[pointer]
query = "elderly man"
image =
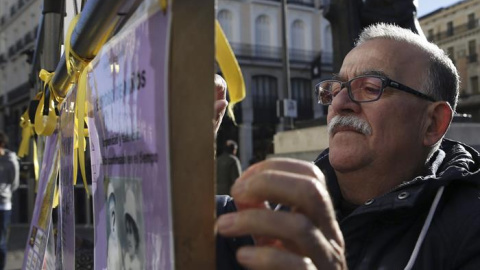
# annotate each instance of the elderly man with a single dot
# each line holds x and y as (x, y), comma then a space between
(389, 193)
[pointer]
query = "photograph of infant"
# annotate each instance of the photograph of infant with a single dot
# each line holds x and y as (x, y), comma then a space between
(125, 229)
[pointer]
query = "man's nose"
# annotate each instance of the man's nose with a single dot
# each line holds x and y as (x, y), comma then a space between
(343, 103)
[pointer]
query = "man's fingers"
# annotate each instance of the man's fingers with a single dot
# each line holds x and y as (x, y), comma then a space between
(297, 233)
(220, 87)
(287, 165)
(303, 194)
(268, 258)
(220, 101)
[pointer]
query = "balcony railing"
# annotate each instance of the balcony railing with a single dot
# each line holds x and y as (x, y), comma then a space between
(11, 51)
(308, 3)
(455, 31)
(274, 54)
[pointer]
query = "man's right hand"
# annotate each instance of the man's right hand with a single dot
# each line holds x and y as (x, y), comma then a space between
(306, 237)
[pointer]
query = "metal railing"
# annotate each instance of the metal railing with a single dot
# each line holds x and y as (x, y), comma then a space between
(308, 3)
(271, 53)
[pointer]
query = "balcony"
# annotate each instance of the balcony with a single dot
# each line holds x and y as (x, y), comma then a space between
(455, 31)
(270, 53)
(19, 45)
(13, 10)
(307, 3)
(28, 38)
(11, 51)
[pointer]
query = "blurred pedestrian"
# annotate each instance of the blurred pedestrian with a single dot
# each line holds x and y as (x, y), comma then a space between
(228, 167)
(9, 181)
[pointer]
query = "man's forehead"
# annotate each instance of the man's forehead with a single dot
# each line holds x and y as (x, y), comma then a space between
(344, 76)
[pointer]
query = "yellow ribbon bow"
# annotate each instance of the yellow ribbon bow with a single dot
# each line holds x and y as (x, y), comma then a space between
(80, 132)
(46, 124)
(27, 133)
(230, 68)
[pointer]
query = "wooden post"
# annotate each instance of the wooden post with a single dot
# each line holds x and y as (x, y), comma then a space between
(191, 103)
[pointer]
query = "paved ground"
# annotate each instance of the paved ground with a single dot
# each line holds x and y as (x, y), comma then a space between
(18, 239)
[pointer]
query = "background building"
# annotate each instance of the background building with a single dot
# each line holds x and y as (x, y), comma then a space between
(456, 30)
(19, 23)
(254, 29)
(19, 20)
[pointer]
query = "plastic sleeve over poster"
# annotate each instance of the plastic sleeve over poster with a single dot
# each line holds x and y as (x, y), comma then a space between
(39, 239)
(65, 258)
(128, 126)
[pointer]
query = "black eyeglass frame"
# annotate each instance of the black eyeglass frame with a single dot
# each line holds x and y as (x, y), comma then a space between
(386, 82)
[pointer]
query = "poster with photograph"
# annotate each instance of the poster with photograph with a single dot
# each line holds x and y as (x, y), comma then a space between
(40, 227)
(128, 129)
(124, 224)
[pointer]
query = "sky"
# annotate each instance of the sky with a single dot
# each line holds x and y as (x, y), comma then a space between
(427, 6)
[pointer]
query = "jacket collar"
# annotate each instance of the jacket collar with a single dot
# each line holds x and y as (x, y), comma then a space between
(452, 162)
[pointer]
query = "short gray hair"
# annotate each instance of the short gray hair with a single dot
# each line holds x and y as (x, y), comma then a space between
(442, 80)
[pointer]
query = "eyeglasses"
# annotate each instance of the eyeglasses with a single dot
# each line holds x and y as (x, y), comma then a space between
(366, 88)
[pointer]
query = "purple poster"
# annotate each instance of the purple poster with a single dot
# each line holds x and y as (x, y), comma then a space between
(128, 127)
(40, 227)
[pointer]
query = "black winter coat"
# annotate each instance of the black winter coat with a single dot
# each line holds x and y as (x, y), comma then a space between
(393, 229)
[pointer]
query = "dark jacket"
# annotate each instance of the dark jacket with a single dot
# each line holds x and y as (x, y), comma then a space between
(384, 233)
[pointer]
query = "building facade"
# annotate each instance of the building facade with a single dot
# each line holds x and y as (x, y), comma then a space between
(19, 20)
(456, 30)
(254, 29)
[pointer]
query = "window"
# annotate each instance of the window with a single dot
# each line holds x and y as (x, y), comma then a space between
(298, 34)
(327, 45)
(474, 84)
(471, 21)
(226, 21)
(430, 35)
(472, 51)
(303, 94)
(262, 30)
(264, 96)
(449, 28)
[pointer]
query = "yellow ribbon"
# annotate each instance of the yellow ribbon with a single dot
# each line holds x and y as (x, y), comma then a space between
(163, 4)
(45, 124)
(74, 62)
(230, 68)
(27, 133)
(56, 196)
(70, 61)
(24, 149)
(81, 132)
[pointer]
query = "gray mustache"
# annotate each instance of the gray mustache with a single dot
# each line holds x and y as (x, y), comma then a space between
(354, 122)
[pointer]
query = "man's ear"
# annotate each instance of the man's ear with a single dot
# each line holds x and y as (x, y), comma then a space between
(439, 118)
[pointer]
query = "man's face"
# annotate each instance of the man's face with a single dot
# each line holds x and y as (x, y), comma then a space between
(396, 120)
(130, 237)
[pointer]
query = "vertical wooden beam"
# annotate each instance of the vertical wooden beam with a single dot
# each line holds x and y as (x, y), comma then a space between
(191, 100)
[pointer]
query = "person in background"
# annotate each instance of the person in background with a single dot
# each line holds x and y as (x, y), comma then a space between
(390, 192)
(9, 181)
(228, 167)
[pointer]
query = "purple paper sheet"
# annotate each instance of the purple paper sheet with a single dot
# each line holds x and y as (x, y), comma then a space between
(128, 126)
